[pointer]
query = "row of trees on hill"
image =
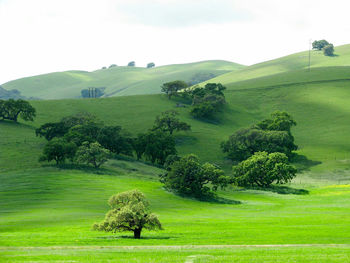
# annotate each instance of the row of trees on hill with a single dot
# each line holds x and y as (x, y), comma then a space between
(132, 64)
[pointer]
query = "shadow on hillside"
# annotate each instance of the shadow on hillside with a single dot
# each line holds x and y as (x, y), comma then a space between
(131, 237)
(219, 200)
(83, 168)
(284, 190)
(303, 163)
(18, 124)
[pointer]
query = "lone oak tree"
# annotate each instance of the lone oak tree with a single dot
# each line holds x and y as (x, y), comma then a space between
(130, 212)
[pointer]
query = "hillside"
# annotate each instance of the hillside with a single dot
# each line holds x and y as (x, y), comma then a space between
(294, 62)
(118, 81)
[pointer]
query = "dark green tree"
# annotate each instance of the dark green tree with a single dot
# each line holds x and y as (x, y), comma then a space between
(151, 65)
(168, 122)
(319, 44)
(328, 50)
(115, 139)
(263, 169)
(188, 177)
(12, 109)
(155, 146)
(58, 150)
(172, 88)
(129, 212)
(131, 64)
(51, 130)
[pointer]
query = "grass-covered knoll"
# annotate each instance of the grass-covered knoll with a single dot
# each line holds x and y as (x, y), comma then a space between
(294, 62)
(118, 81)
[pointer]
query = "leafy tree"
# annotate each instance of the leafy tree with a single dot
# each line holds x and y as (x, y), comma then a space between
(12, 109)
(92, 153)
(172, 88)
(188, 177)
(328, 50)
(279, 121)
(156, 146)
(114, 139)
(168, 122)
(112, 66)
(263, 169)
(151, 65)
(131, 64)
(203, 110)
(58, 150)
(207, 106)
(130, 212)
(81, 118)
(83, 133)
(51, 130)
(319, 44)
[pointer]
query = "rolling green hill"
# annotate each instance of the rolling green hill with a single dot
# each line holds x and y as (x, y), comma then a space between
(118, 81)
(294, 62)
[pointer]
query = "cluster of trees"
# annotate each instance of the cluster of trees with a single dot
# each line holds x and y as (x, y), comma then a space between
(205, 101)
(83, 138)
(328, 48)
(264, 150)
(93, 92)
(13, 109)
(80, 138)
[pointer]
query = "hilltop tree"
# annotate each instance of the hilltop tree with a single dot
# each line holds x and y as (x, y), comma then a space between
(263, 169)
(12, 109)
(112, 66)
(92, 153)
(168, 122)
(172, 88)
(151, 65)
(131, 64)
(319, 44)
(328, 50)
(188, 177)
(130, 212)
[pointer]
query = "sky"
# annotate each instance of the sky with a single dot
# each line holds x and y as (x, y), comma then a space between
(42, 36)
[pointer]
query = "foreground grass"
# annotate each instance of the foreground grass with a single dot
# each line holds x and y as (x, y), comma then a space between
(48, 207)
(322, 254)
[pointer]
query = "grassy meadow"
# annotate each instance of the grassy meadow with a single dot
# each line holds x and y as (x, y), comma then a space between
(46, 212)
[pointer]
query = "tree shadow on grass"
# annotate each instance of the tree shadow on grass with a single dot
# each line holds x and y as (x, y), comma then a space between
(211, 198)
(284, 190)
(302, 163)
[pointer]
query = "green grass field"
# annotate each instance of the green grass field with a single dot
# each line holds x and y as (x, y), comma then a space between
(118, 81)
(51, 210)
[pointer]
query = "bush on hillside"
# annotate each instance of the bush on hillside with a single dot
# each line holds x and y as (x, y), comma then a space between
(328, 50)
(92, 153)
(151, 65)
(131, 64)
(58, 150)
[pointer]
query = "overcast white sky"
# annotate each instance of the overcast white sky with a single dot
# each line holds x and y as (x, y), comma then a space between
(41, 36)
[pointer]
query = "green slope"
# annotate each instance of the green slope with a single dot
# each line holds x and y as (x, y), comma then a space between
(294, 62)
(119, 81)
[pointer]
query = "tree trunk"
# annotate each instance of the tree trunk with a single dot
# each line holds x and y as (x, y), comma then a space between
(137, 233)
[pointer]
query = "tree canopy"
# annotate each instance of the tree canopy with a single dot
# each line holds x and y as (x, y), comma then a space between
(328, 50)
(172, 88)
(12, 109)
(92, 153)
(129, 212)
(188, 177)
(319, 44)
(262, 169)
(151, 65)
